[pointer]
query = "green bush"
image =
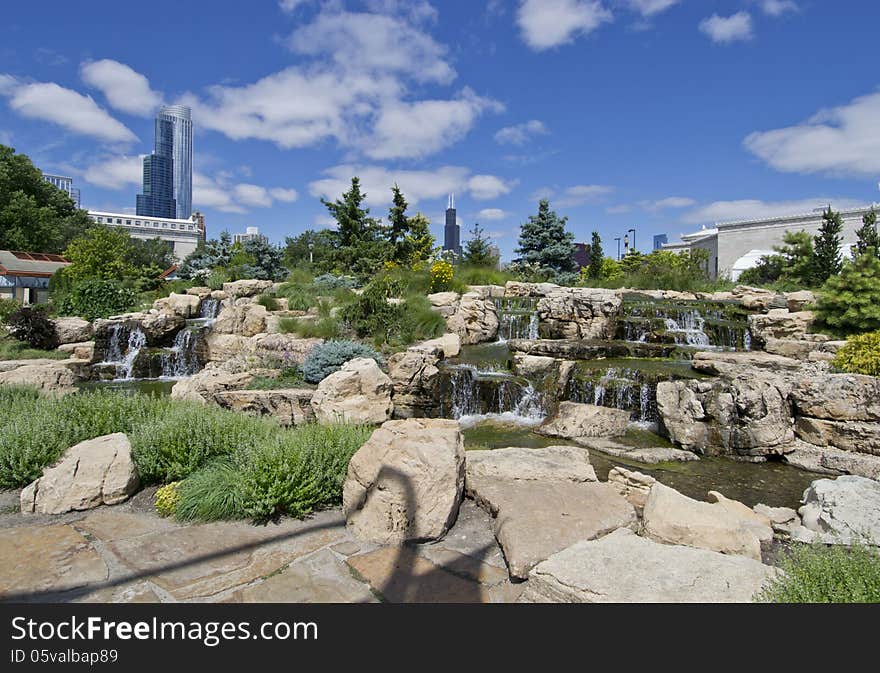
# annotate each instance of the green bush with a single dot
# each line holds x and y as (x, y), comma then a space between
(212, 493)
(819, 574)
(299, 297)
(860, 355)
(7, 308)
(268, 302)
(217, 277)
(371, 314)
(322, 328)
(290, 377)
(91, 299)
(329, 357)
(328, 282)
(419, 321)
(849, 303)
(470, 275)
(31, 325)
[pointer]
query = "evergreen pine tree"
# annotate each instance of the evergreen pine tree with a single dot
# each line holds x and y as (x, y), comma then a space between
(596, 256)
(545, 243)
(419, 241)
(476, 250)
(849, 303)
(398, 225)
(827, 260)
(867, 235)
(797, 258)
(352, 220)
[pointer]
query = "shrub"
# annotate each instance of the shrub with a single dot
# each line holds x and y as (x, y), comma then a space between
(217, 277)
(290, 377)
(91, 299)
(470, 275)
(328, 282)
(269, 302)
(861, 355)
(32, 326)
(850, 303)
(7, 308)
(322, 328)
(441, 276)
(167, 499)
(329, 357)
(299, 297)
(371, 314)
(419, 321)
(819, 574)
(211, 494)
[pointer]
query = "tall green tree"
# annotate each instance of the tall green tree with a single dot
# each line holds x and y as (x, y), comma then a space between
(597, 255)
(35, 216)
(420, 243)
(867, 236)
(545, 242)
(827, 260)
(477, 250)
(101, 253)
(309, 248)
(352, 220)
(398, 226)
(849, 303)
(797, 258)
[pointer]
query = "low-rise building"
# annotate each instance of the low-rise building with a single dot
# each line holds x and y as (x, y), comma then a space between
(25, 275)
(184, 235)
(251, 234)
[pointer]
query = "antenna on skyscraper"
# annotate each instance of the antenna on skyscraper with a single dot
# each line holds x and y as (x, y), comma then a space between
(451, 201)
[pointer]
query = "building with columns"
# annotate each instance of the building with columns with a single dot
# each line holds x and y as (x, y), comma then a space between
(183, 235)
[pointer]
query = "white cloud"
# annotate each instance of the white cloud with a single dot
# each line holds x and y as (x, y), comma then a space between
(252, 195)
(667, 203)
(619, 209)
(417, 185)
(520, 133)
(485, 187)
(778, 7)
(727, 29)
(290, 5)
(125, 89)
(374, 42)
(73, 111)
(752, 209)
(284, 195)
(649, 8)
(579, 195)
(115, 172)
(412, 130)
(843, 140)
(549, 23)
(418, 11)
(492, 214)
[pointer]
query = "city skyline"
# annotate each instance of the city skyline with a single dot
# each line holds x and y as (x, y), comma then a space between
(656, 116)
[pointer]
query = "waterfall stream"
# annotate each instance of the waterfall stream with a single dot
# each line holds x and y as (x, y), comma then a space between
(123, 349)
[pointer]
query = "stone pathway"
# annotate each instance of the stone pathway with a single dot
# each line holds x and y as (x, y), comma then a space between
(127, 553)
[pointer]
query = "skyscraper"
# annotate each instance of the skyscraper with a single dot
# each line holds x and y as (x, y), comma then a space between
(180, 118)
(157, 199)
(452, 232)
(65, 184)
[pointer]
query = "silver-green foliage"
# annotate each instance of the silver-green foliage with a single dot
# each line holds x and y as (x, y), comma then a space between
(329, 357)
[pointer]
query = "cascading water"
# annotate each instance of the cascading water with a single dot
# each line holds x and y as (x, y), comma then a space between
(182, 359)
(210, 309)
(471, 395)
(517, 318)
(123, 348)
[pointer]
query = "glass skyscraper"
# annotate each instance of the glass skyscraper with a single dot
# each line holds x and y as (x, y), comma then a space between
(167, 190)
(180, 117)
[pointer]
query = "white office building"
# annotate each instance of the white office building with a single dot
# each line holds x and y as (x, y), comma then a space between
(251, 234)
(184, 235)
(736, 246)
(65, 184)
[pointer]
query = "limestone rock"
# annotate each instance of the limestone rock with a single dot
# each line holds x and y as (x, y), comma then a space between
(81, 351)
(159, 327)
(243, 320)
(855, 436)
(94, 472)
(515, 288)
(224, 347)
(449, 344)
(673, 518)
(553, 463)
(843, 510)
(731, 363)
(203, 386)
(246, 288)
(624, 568)
(406, 482)
(283, 350)
(838, 397)
(798, 301)
(445, 303)
(184, 305)
(360, 392)
(586, 420)
(55, 378)
(644, 454)
(415, 378)
(632, 485)
(475, 320)
(578, 313)
(73, 330)
(534, 519)
(201, 292)
(780, 324)
(287, 406)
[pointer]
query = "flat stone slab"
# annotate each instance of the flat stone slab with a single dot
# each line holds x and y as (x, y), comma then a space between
(534, 520)
(648, 455)
(47, 558)
(830, 460)
(318, 578)
(473, 535)
(625, 568)
(554, 463)
(401, 575)
(843, 510)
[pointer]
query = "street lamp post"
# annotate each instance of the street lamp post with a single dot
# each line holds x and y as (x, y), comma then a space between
(625, 245)
(311, 253)
(633, 232)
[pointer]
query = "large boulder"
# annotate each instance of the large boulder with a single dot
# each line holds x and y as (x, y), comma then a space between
(360, 392)
(290, 406)
(73, 330)
(55, 377)
(724, 526)
(632, 485)
(625, 568)
(449, 345)
(445, 303)
(780, 324)
(838, 397)
(575, 420)
(475, 319)
(159, 327)
(415, 378)
(553, 463)
(206, 384)
(94, 472)
(283, 350)
(242, 319)
(246, 288)
(80, 351)
(843, 510)
(800, 300)
(406, 482)
(855, 436)
(184, 305)
(578, 313)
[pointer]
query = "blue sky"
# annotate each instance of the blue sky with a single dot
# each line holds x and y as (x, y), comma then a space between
(662, 115)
